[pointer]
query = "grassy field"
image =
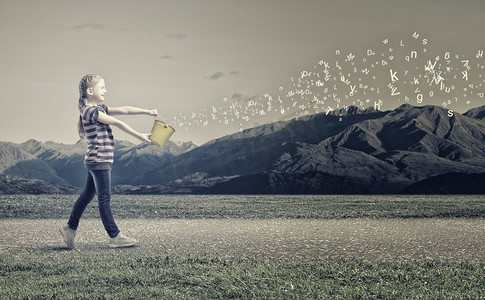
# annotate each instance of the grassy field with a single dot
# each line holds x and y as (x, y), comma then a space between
(252, 207)
(135, 274)
(121, 275)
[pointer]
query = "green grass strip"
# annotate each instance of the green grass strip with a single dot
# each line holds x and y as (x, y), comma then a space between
(252, 207)
(125, 275)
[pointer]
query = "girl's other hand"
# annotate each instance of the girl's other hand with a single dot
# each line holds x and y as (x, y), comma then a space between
(153, 112)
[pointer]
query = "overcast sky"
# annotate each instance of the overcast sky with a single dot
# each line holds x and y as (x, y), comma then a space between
(213, 67)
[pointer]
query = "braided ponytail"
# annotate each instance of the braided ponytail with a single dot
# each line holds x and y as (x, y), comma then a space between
(86, 82)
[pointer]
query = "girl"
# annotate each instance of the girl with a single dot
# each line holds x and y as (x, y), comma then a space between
(94, 126)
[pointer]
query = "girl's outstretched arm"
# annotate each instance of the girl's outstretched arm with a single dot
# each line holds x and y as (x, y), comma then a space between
(130, 110)
(106, 119)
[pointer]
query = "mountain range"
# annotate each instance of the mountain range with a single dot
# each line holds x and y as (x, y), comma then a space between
(346, 151)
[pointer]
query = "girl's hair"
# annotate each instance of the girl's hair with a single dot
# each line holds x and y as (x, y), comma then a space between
(86, 82)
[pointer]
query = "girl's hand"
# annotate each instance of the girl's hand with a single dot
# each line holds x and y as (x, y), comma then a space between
(144, 137)
(153, 112)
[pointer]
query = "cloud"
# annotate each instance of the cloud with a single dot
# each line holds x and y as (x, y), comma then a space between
(97, 26)
(238, 97)
(177, 36)
(216, 76)
(166, 57)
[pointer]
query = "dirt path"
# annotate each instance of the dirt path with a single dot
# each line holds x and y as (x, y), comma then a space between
(403, 239)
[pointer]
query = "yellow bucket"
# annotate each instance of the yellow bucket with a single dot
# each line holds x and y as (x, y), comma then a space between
(161, 132)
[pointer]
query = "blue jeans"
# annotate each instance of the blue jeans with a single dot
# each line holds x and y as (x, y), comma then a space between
(98, 182)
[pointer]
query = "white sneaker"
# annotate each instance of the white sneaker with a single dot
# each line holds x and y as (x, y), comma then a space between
(68, 235)
(121, 241)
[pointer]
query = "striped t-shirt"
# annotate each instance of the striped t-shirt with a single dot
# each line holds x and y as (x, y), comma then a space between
(100, 140)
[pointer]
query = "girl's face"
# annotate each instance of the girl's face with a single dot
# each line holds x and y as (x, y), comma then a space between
(98, 91)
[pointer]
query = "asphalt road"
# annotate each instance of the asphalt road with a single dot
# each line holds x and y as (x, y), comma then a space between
(273, 239)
